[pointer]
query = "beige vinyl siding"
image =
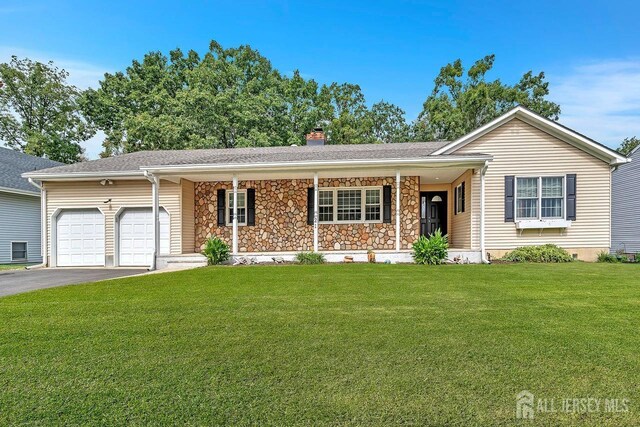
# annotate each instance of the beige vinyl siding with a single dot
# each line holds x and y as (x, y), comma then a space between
(461, 223)
(131, 193)
(522, 150)
(188, 219)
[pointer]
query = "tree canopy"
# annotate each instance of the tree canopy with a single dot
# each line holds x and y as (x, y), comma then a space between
(234, 97)
(229, 98)
(39, 112)
(457, 106)
(628, 145)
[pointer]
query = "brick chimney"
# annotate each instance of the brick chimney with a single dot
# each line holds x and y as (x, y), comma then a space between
(316, 137)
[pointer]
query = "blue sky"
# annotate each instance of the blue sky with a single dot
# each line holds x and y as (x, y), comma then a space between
(590, 50)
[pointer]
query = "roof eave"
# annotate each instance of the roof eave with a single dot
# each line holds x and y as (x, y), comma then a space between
(83, 175)
(19, 191)
(312, 165)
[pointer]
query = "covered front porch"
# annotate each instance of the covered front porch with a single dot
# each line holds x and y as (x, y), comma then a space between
(264, 213)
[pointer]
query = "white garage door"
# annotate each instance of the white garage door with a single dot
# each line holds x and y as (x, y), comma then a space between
(80, 238)
(136, 236)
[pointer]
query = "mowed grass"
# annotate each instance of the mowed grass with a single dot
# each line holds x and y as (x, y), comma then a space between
(13, 266)
(328, 344)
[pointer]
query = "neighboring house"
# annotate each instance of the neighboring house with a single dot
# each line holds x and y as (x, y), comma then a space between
(20, 213)
(519, 180)
(625, 200)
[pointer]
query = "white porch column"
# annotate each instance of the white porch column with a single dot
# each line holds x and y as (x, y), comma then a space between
(398, 211)
(155, 194)
(315, 212)
(483, 255)
(235, 216)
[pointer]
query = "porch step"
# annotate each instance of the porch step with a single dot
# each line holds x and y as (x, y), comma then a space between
(181, 262)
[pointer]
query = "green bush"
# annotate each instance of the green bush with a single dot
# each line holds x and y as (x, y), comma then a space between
(310, 258)
(605, 256)
(216, 251)
(541, 253)
(431, 250)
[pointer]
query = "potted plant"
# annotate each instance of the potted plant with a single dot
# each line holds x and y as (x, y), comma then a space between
(371, 256)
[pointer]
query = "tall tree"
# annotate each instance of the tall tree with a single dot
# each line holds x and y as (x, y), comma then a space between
(229, 97)
(456, 106)
(628, 145)
(39, 111)
(388, 123)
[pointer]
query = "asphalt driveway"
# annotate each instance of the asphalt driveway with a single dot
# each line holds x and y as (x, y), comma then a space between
(18, 281)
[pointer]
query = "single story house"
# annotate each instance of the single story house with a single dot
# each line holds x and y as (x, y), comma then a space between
(20, 213)
(625, 198)
(519, 180)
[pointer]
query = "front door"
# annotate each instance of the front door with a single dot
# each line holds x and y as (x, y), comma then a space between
(433, 212)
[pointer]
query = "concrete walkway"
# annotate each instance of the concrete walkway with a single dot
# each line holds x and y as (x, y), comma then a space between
(18, 281)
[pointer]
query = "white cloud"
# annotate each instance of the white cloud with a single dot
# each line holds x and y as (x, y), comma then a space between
(600, 99)
(81, 74)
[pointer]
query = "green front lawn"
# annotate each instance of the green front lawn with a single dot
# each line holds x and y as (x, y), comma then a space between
(13, 266)
(336, 344)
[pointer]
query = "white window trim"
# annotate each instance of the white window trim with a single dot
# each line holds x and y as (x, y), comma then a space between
(26, 251)
(363, 204)
(457, 193)
(539, 198)
(228, 209)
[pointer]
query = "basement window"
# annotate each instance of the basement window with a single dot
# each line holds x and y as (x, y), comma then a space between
(18, 251)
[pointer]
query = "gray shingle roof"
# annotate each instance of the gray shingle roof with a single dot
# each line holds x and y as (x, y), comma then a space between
(133, 161)
(13, 164)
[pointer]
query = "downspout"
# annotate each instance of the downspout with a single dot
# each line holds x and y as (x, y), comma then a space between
(483, 255)
(43, 224)
(612, 169)
(156, 216)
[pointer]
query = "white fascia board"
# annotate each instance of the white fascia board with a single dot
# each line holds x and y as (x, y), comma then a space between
(74, 176)
(549, 126)
(314, 165)
(17, 191)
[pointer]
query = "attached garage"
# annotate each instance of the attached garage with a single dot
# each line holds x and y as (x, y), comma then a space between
(80, 238)
(135, 236)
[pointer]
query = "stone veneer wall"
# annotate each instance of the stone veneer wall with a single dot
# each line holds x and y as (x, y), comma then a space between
(281, 217)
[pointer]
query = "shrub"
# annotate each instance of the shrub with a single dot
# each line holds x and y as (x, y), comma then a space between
(605, 256)
(541, 253)
(431, 250)
(216, 251)
(310, 258)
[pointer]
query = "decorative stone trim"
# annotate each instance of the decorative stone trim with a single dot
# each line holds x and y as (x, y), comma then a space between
(281, 217)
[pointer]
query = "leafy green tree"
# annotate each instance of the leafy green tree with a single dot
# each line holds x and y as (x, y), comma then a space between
(229, 97)
(456, 106)
(39, 111)
(388, 123)
(628, 145)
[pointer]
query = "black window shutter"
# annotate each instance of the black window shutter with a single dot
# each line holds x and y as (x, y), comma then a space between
(571, 197)
(509, 198)
(222, 200)
(455, 200)
(251, 206)
(463, 197)
(310, 206)
(386, 204)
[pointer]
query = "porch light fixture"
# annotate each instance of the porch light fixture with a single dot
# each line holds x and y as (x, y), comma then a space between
(436, 199)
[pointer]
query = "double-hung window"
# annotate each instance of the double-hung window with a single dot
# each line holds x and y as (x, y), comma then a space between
(540, 197)
(242, 207)
(350, 205)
